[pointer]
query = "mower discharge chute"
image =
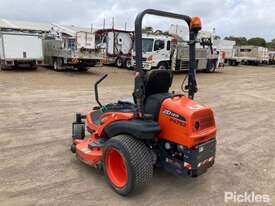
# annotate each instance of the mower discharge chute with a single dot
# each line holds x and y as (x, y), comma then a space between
(162, 129)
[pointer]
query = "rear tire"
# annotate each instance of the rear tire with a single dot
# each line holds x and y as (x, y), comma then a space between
(128, 164)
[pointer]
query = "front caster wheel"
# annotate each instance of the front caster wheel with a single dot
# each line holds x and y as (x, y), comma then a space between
(73, 148)
(128, 164)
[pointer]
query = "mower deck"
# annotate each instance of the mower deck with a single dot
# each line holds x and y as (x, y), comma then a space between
(89, 155)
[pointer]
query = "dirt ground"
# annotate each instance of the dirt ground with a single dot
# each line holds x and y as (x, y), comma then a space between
(38, 107)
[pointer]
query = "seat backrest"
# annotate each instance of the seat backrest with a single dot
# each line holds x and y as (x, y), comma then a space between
(157, 81)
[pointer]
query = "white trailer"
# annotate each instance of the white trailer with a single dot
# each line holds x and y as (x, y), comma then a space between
(65, 48)
(117, 46)
(227, 50)
(20, 49)
(165, 52)
(252, 55)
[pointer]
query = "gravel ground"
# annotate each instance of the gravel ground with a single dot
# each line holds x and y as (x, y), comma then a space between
(38, 107)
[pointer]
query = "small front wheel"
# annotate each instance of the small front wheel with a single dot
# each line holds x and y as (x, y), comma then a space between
(128, 164)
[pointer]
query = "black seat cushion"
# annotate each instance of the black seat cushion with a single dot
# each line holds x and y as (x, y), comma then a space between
(157, 81)
(153, 104)
(120, 106)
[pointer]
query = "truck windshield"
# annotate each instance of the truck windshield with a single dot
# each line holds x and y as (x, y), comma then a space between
(147, 45)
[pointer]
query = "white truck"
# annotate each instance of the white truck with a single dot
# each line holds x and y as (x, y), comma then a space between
(227, 49)
(234, 55)
(117, 46)
(252, 55)
(271, 57)
(75, 50)
(20, 49)
(166, 52)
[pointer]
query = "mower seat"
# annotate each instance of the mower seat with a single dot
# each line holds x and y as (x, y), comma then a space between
(157, 84)
(157, 81)
(153, 104)
(120, 106)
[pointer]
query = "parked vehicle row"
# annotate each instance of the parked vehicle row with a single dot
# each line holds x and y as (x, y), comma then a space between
(62, 48)
(234, 55)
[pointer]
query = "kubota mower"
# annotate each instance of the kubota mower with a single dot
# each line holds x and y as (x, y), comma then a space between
(160, 128)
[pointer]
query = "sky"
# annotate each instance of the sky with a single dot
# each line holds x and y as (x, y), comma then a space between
(249, 18)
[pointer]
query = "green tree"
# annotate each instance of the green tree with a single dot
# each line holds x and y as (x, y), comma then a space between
(271, 45)
(239, 40)
(257, 41)
(148, 29)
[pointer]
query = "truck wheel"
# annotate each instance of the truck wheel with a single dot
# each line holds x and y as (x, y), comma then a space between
(119, 62)
(128, 164)
(57, 64)
(128, 64)
(211, 66)
(162, 65)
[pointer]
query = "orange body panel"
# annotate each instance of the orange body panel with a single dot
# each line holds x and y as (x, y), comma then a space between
(90, 157)
(106, 119)
(177, 119)
(94, 156)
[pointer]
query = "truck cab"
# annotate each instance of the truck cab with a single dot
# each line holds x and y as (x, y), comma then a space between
(156, 51)
(168, 52)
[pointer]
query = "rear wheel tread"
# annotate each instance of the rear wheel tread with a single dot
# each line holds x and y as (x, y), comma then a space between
(138, 156)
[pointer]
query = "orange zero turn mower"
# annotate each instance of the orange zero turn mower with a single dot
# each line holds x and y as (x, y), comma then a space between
(159, 128)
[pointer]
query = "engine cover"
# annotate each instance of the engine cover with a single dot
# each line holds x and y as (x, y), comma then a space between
(186, 122)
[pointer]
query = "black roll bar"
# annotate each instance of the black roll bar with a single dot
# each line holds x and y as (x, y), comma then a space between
(139, 80)
(96, 89)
